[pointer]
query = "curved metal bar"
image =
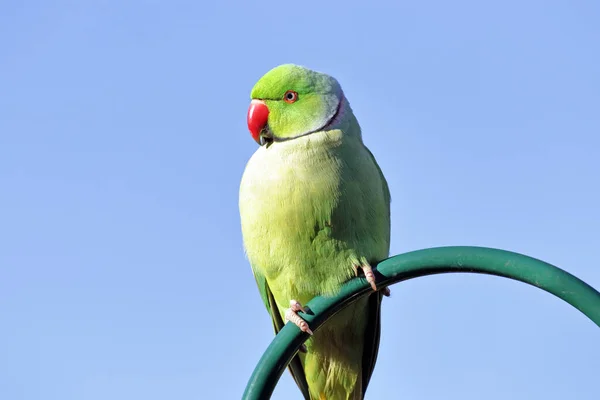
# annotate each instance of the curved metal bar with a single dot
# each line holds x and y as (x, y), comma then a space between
(415, 264)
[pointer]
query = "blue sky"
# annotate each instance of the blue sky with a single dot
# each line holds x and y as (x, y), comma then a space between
(122, 143)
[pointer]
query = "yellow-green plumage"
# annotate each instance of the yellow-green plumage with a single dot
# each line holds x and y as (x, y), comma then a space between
(312, 209)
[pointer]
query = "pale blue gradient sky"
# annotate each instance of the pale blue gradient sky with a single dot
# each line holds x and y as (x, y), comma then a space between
(123, 139)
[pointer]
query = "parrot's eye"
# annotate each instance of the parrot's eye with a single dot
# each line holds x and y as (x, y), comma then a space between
(290, 96)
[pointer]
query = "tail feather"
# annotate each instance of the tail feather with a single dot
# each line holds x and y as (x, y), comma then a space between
(341, 355)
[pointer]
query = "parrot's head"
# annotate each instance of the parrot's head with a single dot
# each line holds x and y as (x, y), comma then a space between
(291, 101)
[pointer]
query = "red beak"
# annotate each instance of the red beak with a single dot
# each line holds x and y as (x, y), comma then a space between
(258, 115)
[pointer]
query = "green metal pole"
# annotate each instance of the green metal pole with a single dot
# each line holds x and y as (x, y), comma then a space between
(413, 265)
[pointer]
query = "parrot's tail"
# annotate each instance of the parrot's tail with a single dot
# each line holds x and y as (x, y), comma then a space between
(341, 354)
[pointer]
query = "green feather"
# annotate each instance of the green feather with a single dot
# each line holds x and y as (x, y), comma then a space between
(312, 208)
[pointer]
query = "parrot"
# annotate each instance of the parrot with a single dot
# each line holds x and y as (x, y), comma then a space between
(315, 212)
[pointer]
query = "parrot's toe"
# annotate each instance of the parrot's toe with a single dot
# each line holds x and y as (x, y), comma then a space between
(369, 275)
(387, 292)
(291, 314)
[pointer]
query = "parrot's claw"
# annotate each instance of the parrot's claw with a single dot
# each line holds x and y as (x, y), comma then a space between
(291, 314)
(387, 292)
(369, 275)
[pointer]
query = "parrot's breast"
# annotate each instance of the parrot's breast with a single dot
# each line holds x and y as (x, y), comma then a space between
(287, 195)
(304, 213)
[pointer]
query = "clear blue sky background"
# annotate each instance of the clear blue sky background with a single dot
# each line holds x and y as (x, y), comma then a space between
(123, 139)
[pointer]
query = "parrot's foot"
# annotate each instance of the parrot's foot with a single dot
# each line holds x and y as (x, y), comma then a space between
(387, 292)
(369, 275)
(291, 314)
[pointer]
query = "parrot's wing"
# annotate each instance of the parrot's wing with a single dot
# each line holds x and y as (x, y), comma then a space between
(386, 188)
(373, 331)
(372, 335)
(295, 365)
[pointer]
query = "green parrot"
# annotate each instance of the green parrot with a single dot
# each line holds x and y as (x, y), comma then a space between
(315, 207)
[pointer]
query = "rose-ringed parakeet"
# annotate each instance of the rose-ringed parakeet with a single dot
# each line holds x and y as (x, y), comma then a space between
(315, 208)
